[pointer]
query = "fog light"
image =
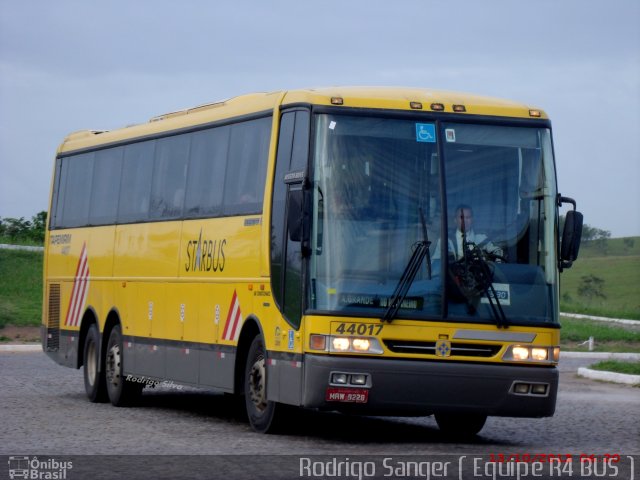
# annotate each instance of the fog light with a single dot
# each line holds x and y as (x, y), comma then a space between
(339, 378)
(539, 353)
(358, 379)
(520, 353)
(539, 389)
(341, 344)
(521, 388)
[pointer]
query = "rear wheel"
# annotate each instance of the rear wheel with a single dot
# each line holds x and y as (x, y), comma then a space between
(264, 415)
(121, 392)
(460, 424)
(94, 378)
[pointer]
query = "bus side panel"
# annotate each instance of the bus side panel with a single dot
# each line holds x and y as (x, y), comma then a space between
(79, 269)
(145, 264)
(181, 310)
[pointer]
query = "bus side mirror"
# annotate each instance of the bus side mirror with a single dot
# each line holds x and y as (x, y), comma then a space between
(571, 235)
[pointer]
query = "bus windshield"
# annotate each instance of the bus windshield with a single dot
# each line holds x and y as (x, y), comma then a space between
(378, 196)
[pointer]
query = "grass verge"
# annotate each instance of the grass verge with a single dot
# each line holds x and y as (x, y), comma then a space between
(607, 337)
(629, 368)
(20, 288)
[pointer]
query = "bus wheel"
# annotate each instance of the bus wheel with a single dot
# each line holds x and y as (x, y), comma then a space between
(94, 378)
(121, 392)
(261, 412)
(460, 425)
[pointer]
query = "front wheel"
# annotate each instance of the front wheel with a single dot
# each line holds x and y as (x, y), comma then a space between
(460, 425)
(121, 391)
(264, 415)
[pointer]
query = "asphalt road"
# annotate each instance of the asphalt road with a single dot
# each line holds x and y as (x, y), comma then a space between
(44, 411)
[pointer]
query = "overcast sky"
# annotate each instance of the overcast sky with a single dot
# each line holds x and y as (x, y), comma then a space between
(71, 65)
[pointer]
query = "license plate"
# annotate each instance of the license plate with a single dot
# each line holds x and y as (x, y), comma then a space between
(347, 395)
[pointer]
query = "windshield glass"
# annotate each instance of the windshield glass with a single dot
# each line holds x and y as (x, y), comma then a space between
(377, 198)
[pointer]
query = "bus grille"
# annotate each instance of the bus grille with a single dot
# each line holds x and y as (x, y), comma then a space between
(53, 320)
(429, 348)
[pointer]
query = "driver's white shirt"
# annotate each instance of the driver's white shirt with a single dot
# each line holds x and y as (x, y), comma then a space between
(456, 249)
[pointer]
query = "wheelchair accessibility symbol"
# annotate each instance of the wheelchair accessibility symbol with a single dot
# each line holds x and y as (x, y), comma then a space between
(425, 132)
(443, 348)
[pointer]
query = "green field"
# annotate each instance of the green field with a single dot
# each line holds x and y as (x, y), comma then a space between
(617, 263)
(20, 288)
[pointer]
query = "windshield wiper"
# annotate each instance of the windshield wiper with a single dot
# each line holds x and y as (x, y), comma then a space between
(420, 251)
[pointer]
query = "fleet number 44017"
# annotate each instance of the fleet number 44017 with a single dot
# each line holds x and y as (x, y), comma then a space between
(359, 329)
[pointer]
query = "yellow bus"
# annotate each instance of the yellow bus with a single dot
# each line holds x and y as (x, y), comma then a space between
(371, 250)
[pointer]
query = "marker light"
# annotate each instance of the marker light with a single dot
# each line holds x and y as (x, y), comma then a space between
(535, 113)
(337, 101)
(416, 105)
(459, 108)
(317, 342)
(438, 107)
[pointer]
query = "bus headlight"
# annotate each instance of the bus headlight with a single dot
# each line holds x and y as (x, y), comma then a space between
(345, 344)
(361, 344)
(531, 354)
(539, 354)
(340, 344)
(520, 353)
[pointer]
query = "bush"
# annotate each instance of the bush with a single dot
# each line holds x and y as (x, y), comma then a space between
(21, 230)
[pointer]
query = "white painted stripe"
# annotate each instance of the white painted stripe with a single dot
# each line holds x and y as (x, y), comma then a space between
(235, 332)
(69, 321)
(4, 246)
(230, 315)
(609, 376)
(601, 319)
(600, 355)
(13, 348)
(81, 282)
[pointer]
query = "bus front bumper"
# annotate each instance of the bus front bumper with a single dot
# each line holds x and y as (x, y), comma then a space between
(410, 387)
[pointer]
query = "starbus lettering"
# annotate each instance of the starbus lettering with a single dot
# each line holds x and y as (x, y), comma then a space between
(205, 255)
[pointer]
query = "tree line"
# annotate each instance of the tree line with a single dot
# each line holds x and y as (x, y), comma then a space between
(22, 230)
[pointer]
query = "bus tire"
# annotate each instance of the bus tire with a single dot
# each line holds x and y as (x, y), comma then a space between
(460, 424)
(264, 415)
(94, 378)
(121, 392)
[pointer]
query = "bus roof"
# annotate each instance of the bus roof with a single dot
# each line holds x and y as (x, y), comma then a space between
(392, 98)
